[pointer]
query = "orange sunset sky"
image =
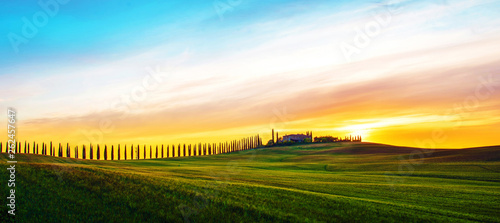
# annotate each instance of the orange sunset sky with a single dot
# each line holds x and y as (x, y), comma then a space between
(412, 73)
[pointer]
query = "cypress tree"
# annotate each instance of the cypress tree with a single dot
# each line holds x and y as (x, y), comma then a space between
(36, 148)
(162, 152)
(118, 151)
(76, 152)
(105, 152)
(145, 153)
(51, 148)
(112, 152)
(179, 151)
(91, 152)
(84, 152)
(98, 155)
(150, 152)
(125, 153)
(156, 152)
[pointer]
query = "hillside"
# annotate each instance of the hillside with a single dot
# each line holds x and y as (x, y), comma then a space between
(318, 182)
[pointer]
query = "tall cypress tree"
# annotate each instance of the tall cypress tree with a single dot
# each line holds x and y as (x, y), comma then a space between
(59, 151)
(125, 153)
(84, 153)
(76, 152)
(132, 151)
(118, 151)
(98, 156)
(144, 152)
(162, 152)
(112, 152)
(91, 154)
(156, 152)
(105, 152)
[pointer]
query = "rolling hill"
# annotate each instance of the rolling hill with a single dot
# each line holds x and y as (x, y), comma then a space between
(303, 183)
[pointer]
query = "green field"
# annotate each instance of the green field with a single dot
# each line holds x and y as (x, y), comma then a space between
(305, 183)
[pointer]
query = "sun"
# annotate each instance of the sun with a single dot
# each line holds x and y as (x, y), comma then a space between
(362, 130)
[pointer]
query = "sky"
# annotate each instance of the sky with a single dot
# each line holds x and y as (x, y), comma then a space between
(410, 73)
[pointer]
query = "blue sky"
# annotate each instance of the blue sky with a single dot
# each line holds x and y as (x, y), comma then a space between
(104, 30)
(242, 64)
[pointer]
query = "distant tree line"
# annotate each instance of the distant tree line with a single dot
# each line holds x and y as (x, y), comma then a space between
(161, 151)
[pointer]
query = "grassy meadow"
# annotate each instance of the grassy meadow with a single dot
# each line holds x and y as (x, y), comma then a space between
(332, 182)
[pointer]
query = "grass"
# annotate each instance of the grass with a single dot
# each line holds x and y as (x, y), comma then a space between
(305, 183)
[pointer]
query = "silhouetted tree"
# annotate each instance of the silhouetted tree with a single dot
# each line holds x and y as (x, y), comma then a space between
(118, 151)
(68, 152)
(162, 151)
(76, 152)
(156, 152)
(105, 152)
(138, 152)
(144, 152)
(112, 152)
(59, 151)
(84, 153)
(179, 151)
(125, 152)
(91, 154)
(132, 151)
(98, 152)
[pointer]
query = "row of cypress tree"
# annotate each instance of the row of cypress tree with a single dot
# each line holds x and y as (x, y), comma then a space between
(134, 152)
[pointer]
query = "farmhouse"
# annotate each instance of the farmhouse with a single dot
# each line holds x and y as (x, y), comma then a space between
(297, 137)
